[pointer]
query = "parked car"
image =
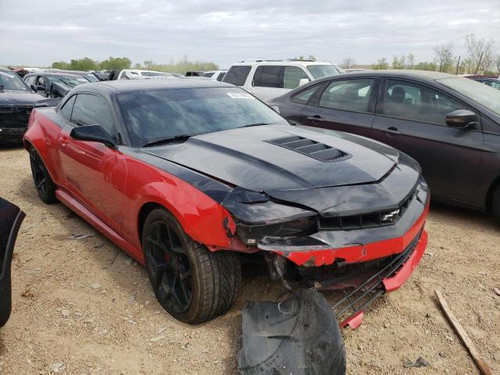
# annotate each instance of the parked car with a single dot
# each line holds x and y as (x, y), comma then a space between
(194, 74)
(215, 75)
(142, 74)
(490, 81)
(11, 218)
(185, 175)
(89, 76)
(267, 79)
(16, 102)
(449, 124)
(53, 85)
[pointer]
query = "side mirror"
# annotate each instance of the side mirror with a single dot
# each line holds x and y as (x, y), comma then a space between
(92, 133)
(34, 88)
(462, 119)
(303, 81)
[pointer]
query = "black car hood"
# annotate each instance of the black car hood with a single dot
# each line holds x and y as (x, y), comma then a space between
(18, 98)
(252, 158)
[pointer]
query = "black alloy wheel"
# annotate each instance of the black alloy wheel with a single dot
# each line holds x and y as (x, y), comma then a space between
(168, 267)
(43, 183)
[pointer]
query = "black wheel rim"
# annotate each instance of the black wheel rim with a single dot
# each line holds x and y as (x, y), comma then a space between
(168, 267)
(37, 169)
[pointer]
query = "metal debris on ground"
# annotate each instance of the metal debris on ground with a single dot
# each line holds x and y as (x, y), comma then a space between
(420, 362)
(76, 236)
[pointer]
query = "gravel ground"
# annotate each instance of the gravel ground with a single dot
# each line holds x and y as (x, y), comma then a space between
(81, 306)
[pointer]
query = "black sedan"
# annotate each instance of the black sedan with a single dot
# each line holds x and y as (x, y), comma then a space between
(449, 124)
(54, 84)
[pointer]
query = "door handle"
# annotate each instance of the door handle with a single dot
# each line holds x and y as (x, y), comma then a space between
(315, 118)
(392, 130)
(63, 141)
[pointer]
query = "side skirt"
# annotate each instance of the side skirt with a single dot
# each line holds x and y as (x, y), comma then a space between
(93, 220)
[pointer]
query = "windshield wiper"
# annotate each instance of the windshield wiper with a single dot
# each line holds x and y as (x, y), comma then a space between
(257, 124)
(175, 138)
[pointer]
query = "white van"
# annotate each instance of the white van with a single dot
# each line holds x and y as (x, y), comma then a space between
(268, 79)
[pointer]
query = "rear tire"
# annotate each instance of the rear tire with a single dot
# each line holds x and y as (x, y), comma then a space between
(495, 204)
(44, 185)
(190, 282)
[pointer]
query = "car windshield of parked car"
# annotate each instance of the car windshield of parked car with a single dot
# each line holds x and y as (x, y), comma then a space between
(320, 71)
(482, 94)
(161, 114)
(69, 81)
(91, 78)
(11, 81)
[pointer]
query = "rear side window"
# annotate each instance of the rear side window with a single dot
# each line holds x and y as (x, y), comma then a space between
(237, 75)
(221, 76)
(293, 75)
(306, 95)
(269, 76)
(348, 95)
(416, 102)
(92, 110)
(67, 108)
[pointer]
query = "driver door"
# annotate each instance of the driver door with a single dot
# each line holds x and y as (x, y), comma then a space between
(95, 174)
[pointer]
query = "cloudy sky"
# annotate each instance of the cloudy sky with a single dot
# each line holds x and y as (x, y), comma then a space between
(36, 32)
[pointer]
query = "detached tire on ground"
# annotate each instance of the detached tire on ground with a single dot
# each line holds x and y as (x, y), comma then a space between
(44, 185)
(190, 282)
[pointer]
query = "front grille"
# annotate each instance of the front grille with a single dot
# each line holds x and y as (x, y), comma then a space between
(367, 220)
(311, 148)
(14, 117)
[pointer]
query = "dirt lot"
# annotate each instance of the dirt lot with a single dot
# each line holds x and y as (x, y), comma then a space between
(81, 306)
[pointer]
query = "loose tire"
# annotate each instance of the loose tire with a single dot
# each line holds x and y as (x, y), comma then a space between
(44, 185)
(191, 283)
(495, 203)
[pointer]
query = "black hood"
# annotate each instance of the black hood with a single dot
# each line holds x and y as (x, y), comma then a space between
(281, 157)
(18, 98)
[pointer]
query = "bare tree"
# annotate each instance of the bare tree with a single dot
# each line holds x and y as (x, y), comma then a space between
(398, 63)
(480, 54)
(148, 64)
(497, 63)
(443, 56)
(381, 64)
(347, 63)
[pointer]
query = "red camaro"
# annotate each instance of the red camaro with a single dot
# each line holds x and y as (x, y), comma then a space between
(186, 175)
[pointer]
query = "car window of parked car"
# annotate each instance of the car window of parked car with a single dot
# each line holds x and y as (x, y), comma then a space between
(92, 110)
(305, 95)
(269, 76)
(237, 75)
(293, 75)
(67, 108)
(221, 76)
(416, 102)
(30, 80)
(348, 95)
(11, 81)
(158, 114)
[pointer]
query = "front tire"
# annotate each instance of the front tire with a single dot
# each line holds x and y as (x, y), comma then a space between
(191, 283)
(44, 185)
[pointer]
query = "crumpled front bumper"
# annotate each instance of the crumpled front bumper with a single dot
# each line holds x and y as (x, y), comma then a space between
(353, 246)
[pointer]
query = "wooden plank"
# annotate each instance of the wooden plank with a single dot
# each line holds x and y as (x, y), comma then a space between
(481, 364)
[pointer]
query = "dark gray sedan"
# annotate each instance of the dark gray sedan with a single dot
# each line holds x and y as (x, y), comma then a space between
(449, 124)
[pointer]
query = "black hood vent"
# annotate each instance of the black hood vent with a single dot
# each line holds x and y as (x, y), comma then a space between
(311, 148)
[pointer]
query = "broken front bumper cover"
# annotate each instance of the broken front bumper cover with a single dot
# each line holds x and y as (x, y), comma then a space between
(352, 246)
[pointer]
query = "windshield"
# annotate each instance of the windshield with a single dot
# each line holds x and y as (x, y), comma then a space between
(69, 81)
(159, 114)
(11, 81)
(154, 74)
(91, 78)
(482, 94)
(320, 71)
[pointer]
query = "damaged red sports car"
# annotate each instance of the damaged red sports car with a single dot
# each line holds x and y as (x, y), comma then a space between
(187, 175)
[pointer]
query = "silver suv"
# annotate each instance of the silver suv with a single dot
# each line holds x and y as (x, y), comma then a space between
(268, 79)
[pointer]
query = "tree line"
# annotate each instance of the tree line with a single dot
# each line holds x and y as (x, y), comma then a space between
(480, 58)
(119, 63)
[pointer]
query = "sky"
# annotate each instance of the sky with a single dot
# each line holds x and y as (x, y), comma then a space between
(37, 33)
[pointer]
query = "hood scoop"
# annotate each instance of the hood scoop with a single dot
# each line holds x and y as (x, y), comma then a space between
(313, 149)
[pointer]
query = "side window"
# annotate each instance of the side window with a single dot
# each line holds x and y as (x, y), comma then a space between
(269, 76)
(293, 75)
(92, 110)
(30, 80)
(348, 95)
(304, 96)
(221, 76)
(417, 102)
(67, 108)
(237, 75)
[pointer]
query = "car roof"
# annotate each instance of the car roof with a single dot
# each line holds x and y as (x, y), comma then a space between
(282, 62)
(421, 74)
(124, 86)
